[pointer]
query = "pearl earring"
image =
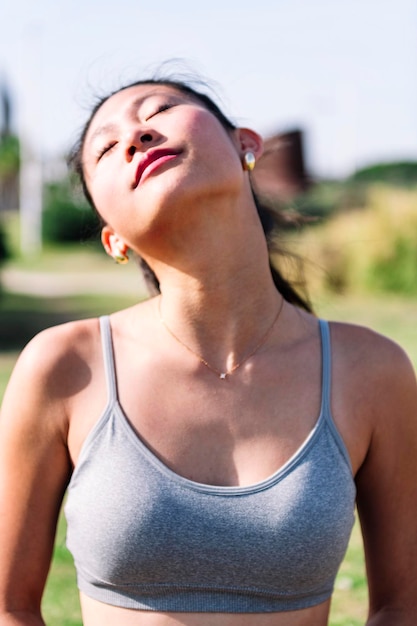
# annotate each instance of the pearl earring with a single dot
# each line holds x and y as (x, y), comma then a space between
(249, 161)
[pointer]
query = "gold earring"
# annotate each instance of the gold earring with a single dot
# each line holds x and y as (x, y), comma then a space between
(249, 161)
(120, 257)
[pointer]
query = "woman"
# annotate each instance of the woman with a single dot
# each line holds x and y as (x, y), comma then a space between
(214, 438)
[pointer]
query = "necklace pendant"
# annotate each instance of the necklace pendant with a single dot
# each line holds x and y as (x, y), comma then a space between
(221, 375)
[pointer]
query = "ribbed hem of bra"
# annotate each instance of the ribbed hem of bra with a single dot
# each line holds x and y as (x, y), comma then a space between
(192, 599)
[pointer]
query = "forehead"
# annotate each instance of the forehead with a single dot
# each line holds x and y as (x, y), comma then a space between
(129, 99)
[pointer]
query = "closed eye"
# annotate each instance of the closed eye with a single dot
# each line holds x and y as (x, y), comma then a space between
(160, 109)
(105, 150)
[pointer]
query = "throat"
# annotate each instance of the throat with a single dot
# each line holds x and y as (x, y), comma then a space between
(251, 351)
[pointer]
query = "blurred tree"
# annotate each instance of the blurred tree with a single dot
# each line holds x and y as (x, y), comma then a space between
(395, 173)
(9, 165)
(9, 172)
(9, 156)
(9, 153)
(67, 217)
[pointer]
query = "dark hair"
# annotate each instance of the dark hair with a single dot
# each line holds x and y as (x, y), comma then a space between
(272, 221)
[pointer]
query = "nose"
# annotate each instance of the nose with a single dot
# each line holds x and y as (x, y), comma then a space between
(138, 140)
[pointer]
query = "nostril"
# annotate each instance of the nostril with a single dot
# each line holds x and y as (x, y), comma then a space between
(131, 151)
(146, 137)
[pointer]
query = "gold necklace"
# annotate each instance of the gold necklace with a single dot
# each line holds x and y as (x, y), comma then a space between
(219, 373)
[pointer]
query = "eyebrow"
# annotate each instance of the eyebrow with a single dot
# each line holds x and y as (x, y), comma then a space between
(113, 128)
(103, 130)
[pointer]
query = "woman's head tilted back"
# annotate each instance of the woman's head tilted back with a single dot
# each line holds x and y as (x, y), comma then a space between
(76, 159)
(89, 150)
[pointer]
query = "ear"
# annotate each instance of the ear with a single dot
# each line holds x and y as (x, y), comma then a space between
(112, 243)
(250, 141)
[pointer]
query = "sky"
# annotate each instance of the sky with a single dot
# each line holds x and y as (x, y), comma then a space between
(344, 71)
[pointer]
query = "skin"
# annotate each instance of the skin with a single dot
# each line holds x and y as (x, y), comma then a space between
(193, 219)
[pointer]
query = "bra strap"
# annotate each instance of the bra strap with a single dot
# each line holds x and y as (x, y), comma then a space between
(326, 359)
(326, 367)
(108, 357)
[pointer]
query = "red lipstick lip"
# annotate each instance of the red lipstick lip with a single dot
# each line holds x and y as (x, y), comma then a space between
(150, 158)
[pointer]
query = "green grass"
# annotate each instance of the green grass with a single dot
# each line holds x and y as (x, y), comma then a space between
(349, 602)
(61, 605)
(7, 361)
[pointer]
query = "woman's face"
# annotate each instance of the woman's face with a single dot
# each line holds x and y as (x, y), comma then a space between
(152, 156)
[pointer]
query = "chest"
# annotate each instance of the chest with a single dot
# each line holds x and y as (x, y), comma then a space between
(224, 432)
(132, 521)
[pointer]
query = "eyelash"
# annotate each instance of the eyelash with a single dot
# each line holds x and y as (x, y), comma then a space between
(106, 149)
(160, 109)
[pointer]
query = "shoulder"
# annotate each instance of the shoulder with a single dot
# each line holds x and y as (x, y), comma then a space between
(375, 379)
(370, 353)
(374, 391)
(52, 368)
(60, 347)
(63, 335)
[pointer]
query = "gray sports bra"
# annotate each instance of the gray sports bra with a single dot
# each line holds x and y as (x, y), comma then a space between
(143, 537)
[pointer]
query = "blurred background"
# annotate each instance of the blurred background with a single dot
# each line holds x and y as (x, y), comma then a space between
(331, 86)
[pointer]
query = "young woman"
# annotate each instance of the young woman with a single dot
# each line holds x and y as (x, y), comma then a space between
(215, 438)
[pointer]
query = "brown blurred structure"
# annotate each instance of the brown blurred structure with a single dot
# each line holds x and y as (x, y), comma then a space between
(280, 173)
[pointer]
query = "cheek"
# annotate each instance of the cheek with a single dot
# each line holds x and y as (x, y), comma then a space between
(210, 137)
(105, 195)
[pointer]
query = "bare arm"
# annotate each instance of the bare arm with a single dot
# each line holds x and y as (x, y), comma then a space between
(387, 494)
(34, 471)
(20, 618)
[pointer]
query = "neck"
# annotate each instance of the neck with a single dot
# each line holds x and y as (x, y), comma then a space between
(218, 296)
(221, 293)
(232, 364)
(222, 304)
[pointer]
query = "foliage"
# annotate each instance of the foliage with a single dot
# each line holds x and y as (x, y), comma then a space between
(371, 249)
(325, 198)
(396, 173)
(9, 156)
(67, 217)
(4, 249)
